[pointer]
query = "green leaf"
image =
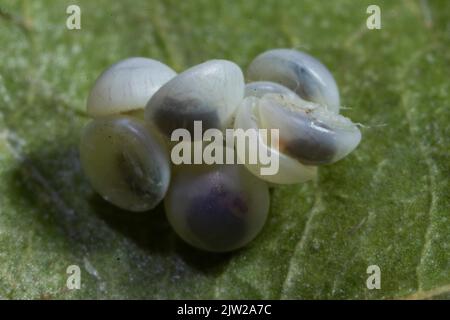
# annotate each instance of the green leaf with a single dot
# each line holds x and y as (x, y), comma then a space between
(387, 204)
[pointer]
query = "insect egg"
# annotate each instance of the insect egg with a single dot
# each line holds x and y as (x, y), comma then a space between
(137, 104)
(309, 135)
(209, 92)
(298, 71)
(217, 208)
(308, 132)
(125, 163)
(127, 86)
(290, 170)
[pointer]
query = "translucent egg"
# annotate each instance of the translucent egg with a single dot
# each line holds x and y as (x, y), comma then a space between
(217, 208)
(209, 92)
(127, 86)
(290, 170)
(309, 135)
(308, 132)
(298, 71)
(125, 162)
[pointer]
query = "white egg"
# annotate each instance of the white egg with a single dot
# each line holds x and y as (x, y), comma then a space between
(298, 71)
(217, 208)
(127, 86)
(309, 135)
(209, 92)
(125, 162)
(290, 170)
(308, 132)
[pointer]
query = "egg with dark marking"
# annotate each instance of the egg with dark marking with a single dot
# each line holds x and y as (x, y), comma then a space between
(217, 207)
(209, 92)
(125, 162)
(298, 71)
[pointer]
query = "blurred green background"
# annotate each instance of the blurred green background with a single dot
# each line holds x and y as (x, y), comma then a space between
(386, 204)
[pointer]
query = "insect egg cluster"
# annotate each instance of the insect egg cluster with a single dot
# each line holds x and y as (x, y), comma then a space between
(137, 103)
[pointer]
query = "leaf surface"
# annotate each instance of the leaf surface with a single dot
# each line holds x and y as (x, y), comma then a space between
(387, 204)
